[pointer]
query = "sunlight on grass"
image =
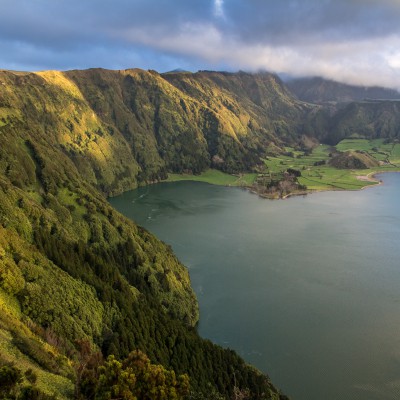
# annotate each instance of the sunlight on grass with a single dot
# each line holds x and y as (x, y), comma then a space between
(215, 177)
(316, 173)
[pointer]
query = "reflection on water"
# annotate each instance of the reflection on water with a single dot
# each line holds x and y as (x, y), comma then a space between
(306, 289)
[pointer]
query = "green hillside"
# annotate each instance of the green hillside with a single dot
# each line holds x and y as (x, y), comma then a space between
(80, 282)
(378, 119)
(319, 90)
(72, 269)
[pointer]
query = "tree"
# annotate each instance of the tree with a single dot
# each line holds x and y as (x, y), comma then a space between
(134, 378)
(10, 378)
(115, 382)
(154, 382)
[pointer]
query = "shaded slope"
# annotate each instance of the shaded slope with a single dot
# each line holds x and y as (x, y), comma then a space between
(369, 119)
(319, 90)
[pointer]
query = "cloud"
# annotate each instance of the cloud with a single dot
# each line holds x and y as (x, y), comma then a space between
(369, 61)
(218, 8)
(290, 21)
(352, 40)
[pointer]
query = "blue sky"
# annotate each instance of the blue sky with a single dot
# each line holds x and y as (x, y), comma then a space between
(355, 41)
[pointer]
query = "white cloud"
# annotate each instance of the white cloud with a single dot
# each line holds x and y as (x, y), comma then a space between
(219, 8)
(296, 37)
(393, 60)
(199, 40)
(364, 62)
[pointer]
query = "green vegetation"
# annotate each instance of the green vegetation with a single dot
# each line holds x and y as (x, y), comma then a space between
(318, 174)
(216, 177)
(132, 378)
(317, 171)
(319, 90)
(30, 355)
(73, 270)
(381, 149)
(315, 166)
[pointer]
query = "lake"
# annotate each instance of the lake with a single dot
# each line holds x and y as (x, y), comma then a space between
(307, 289)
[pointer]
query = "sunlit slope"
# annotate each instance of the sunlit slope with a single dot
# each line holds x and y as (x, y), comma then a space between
(71, 267)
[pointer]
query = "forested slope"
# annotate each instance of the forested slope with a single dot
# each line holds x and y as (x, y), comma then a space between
(319, 90)
(71, 267)
(378, 119)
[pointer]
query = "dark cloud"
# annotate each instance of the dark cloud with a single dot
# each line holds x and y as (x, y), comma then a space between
(55, 22)
(354, 40)
(283, 21)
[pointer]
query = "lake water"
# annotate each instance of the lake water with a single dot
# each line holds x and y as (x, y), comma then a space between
(307, 289)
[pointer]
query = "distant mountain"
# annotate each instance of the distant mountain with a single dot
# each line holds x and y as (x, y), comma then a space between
(319, 91)
(364, 119)
(178, 70)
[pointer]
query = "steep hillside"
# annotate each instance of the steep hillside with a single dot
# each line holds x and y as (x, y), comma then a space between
(71, 267)
(319, 90)
(368, 119)
(256, 109)
(182, 122)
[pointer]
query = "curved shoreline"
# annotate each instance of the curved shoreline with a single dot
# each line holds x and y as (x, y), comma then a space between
(370, 177)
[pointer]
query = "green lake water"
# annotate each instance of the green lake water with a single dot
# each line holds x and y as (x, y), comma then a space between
(307, 289)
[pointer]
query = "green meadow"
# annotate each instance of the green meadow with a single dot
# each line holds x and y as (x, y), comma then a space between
(216, 177)
(316, 174)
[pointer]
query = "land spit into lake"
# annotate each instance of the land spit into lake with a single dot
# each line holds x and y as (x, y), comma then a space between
(350, 165)
(369, 178)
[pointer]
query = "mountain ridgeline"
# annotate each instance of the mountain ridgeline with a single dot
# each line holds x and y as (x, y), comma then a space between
(73, 269)
(320, 91)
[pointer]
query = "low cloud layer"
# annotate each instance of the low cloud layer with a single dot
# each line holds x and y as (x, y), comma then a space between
(355, 41)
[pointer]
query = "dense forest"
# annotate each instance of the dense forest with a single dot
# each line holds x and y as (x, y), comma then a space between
(90, 302)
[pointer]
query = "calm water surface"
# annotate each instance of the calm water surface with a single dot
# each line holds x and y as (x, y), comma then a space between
(306, 289)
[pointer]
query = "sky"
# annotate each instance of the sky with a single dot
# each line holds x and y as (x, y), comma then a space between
(352, 41)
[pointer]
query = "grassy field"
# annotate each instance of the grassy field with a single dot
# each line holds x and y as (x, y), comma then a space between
(325, 177)
(316, 174)
(215, 177)
(387, 152)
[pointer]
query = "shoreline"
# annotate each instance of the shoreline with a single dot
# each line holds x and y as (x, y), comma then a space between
(373, 174)
(370, 177)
